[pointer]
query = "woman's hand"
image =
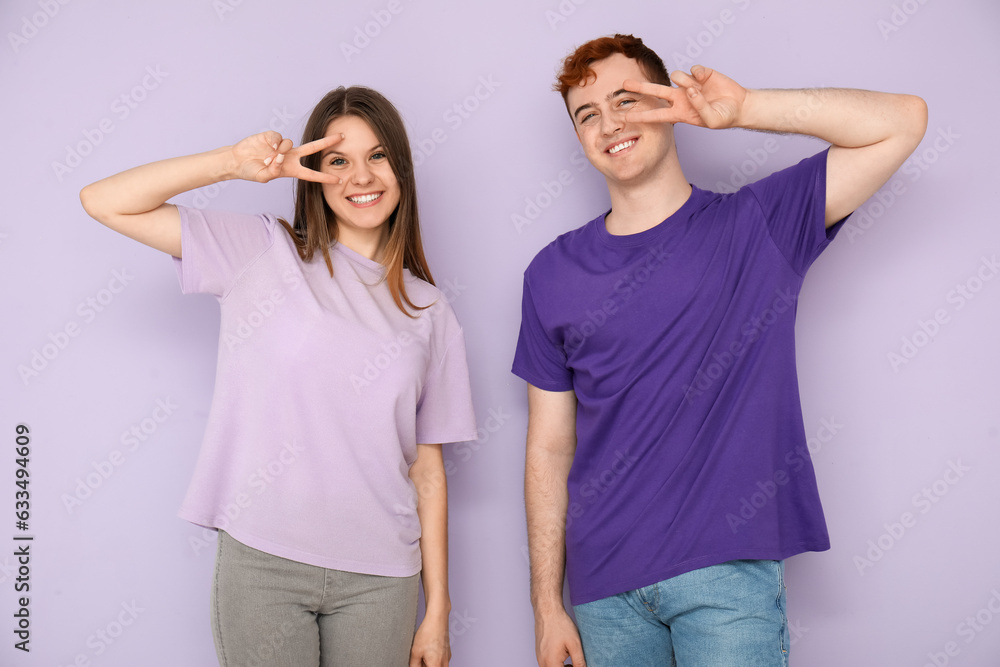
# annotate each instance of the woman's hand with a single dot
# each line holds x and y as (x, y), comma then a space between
(266, 156)
(431, 647)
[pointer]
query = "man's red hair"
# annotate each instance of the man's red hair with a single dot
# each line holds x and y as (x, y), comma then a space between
(576, 68)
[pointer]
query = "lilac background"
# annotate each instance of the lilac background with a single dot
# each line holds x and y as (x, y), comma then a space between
(233, 67)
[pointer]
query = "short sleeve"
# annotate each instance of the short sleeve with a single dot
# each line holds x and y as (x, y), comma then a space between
(793, 203)
(444, 411)
(216, 247)
(537, 359)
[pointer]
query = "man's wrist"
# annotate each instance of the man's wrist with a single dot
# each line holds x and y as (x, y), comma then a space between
(548, 606)
(748, 117)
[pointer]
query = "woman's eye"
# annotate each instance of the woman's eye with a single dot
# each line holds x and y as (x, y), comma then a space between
(378, 156)
(338, 162)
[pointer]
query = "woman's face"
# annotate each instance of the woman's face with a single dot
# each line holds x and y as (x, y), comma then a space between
(369, 191)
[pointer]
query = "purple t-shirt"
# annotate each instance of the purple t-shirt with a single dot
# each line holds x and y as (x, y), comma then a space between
(679, 344)
(323, 390)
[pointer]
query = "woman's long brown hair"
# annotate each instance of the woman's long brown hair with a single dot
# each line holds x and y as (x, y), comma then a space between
(314, 227)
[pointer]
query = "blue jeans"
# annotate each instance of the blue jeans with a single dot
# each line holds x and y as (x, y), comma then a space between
(726, 615)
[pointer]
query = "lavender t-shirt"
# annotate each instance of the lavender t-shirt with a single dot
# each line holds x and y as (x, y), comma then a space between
(679, 344)
(323, 390)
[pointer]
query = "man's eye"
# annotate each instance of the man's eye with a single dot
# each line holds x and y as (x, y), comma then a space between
(589, 116)
(626, 102)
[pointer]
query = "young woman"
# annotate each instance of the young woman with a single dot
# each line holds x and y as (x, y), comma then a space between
(341, 370)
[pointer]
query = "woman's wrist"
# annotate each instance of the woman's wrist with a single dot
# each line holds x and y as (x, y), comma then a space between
(438, 607)
(224, 165)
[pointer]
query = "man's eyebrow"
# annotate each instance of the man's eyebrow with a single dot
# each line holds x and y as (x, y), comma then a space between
(590, 105)
(580, 108)
(333, 151)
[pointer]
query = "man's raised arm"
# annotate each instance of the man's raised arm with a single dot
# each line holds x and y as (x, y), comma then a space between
(871, 133)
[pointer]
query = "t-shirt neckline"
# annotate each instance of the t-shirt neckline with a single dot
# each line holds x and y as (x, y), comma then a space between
(359, 259)
(640, 238)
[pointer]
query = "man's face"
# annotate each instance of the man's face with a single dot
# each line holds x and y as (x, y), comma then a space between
(620, 150)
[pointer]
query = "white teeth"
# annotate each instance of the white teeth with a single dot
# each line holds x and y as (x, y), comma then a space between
(621, 146)
(365, 199)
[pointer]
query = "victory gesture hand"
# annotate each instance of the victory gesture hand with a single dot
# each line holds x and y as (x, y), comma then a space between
(704, 97)
(266, 156)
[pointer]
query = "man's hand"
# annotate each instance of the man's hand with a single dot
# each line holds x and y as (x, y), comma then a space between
(871, 133)
(556, 638)
(704, 97)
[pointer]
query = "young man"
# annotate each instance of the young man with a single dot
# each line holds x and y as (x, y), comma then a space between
(657, 343)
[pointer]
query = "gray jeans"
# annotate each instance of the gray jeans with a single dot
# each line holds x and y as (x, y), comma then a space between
(272, 611)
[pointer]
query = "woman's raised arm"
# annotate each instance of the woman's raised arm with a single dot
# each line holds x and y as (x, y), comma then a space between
(133, 202)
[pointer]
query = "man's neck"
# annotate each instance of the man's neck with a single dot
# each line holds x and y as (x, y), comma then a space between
(640, 205)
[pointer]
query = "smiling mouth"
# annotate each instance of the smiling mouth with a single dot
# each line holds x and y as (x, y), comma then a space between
(622, 146)
(365, 200)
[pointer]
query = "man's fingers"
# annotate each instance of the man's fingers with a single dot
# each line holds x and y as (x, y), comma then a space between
(652, 116)
(701, 73)
(684, 80)
(701, 105)
(648, 88)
